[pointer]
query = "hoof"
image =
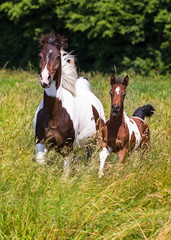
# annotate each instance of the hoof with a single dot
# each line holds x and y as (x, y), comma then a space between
(64, 178)
(40, 158)
(101, 174)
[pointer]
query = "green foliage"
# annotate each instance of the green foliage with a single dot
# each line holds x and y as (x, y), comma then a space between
(102, 33)
(128, 203)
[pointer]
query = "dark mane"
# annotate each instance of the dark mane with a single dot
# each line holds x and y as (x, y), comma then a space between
(55, 40)
(118, 80)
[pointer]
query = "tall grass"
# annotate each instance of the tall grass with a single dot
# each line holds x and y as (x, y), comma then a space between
(132, 202)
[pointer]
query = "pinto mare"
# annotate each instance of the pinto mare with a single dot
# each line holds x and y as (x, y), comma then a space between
(69, 112)
(122, 133)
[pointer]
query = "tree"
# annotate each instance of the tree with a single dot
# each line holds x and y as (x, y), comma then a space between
(127, 33)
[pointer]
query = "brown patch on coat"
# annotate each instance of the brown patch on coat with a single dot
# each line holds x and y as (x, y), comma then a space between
(54, 125)
(132, 141)
(115, 133)
(99, 122)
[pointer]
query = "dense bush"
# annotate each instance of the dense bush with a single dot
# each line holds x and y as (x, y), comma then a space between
(103, 33)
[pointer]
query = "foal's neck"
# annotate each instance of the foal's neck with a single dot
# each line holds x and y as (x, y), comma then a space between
(116, 121)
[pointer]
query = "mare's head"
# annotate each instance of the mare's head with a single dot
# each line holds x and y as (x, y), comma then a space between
(50, 58)
(118, 93)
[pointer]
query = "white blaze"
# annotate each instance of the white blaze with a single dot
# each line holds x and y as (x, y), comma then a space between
(45, 75)
(117, 90)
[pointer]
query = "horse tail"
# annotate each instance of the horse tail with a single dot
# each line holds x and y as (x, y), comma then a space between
(144, 111)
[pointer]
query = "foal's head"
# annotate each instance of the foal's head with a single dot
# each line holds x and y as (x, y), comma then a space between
(50, 58)
(118, 93)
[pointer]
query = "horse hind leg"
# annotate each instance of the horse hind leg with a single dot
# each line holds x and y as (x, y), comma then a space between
(145, 145)
(40, 153)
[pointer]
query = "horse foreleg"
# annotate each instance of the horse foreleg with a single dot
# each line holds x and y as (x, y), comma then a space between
(89, 151)
(40, 152)
(103, 155)
(67, 164)
(122, 154)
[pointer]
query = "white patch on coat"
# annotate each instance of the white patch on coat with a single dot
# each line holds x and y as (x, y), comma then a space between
(84, 101)
(80, 109)
(132, 127)
(117, 90)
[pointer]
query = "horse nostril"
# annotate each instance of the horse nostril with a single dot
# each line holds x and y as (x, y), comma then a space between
(44, 85)
(49, 77)
(115, 107)
(118, 107)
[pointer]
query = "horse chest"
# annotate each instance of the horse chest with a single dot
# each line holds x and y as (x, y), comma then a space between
(118, 137)
(56, 129)
(61, 128)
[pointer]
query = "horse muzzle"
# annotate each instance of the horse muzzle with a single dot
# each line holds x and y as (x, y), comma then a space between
(46, 81)
(115, 109)
(44, 85)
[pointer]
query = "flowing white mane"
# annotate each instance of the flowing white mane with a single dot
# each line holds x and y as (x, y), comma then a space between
(69, 73)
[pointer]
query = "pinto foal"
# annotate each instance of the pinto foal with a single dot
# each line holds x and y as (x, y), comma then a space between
(122, 133)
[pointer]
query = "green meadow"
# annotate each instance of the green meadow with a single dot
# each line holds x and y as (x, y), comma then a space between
(36, 202)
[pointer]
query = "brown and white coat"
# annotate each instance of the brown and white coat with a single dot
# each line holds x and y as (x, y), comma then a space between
(69, 110)
(122, 133)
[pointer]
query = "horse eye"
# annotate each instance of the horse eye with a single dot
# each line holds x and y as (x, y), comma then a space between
(40, 56)
(58, 57)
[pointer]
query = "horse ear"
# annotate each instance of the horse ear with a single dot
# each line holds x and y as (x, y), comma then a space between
(58, 38)
(112, 80)
(42, 39)
(62, 41)
(126, 81)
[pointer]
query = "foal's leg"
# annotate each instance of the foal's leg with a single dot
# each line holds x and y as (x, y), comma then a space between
(122, 154)
(40, 152)
(103, 155)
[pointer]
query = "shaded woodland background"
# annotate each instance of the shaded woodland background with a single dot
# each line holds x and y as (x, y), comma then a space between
(126, 33)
